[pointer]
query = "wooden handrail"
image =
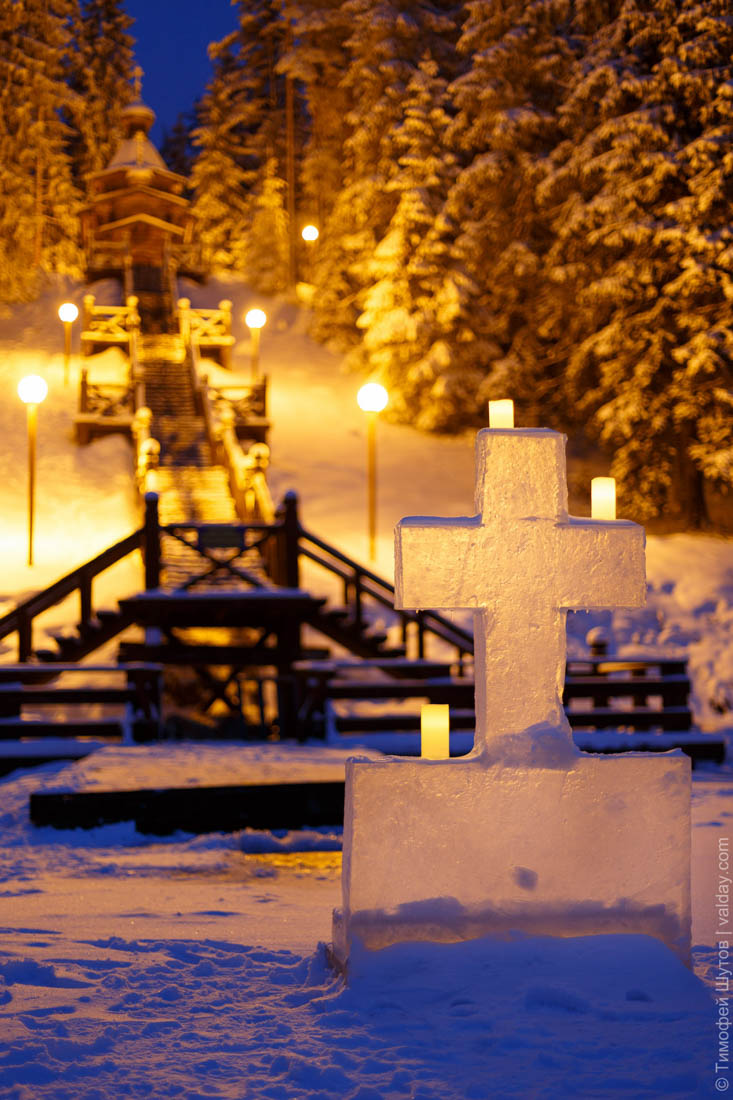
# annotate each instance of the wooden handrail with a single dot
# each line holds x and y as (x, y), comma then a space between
(21, 618)
(366, 583)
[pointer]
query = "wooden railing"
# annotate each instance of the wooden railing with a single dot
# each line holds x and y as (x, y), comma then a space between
(247, 472)
(109, 324)
(207, 328)
(361, 587)
(21, 619)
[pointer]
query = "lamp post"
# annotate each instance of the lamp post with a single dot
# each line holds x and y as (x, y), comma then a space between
(31, 390)
(371, 399)
(255, 320)
(68, 313)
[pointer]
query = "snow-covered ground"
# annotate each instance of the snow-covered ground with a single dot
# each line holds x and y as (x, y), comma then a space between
(195, 967)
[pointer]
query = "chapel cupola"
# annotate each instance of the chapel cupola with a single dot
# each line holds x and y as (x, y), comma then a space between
(137, 224)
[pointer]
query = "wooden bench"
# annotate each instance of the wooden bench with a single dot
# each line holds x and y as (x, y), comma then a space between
(24, 686)
(644, 701)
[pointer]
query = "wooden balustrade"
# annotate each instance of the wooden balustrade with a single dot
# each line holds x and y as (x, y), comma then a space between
(108, 324)
(207, 328)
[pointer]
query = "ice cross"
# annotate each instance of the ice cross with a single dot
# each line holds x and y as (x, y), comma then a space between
(521, 563)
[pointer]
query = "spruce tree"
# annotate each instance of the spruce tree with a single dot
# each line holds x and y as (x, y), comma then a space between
(100, 69)
(241, 135)
(219, 177)
(642, 262)
(401, 319)
(38, 200)
(176, 148)
(384, 50)
(518, 61)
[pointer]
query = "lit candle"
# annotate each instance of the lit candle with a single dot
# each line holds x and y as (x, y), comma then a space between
(434, 731)
(501, 414)
(603, 498)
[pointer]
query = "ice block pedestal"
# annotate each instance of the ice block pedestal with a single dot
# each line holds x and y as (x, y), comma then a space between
(527, 833)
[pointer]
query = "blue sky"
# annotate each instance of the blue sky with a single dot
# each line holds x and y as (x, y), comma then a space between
(172, 36)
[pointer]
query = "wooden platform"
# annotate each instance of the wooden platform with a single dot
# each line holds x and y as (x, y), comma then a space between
(197, 788)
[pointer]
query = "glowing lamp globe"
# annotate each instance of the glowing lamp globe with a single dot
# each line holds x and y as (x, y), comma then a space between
(32, 389)
(68, 312)
(255, 318)
(372, 397)
(309, 233)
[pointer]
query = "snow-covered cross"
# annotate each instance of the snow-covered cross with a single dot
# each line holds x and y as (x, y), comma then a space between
(520, 563)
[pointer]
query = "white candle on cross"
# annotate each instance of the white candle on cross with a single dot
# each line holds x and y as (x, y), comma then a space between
(501, 413)
(603, 498)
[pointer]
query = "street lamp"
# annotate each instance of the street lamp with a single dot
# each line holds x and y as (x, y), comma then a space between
(68, 313)
(310, 233)
(371, 399)
(31, 390)
(255, 319)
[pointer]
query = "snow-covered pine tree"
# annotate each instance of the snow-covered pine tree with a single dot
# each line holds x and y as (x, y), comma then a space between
(401, 319)
(263, 38)
(266, 252)
(221, 172)
(99, 70)
(386, 42)
(642, 264)
(505, 125)
(38, 200)
(176, 147)
(315, 57)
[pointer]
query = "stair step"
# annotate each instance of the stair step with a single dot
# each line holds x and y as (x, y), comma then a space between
(42, 727)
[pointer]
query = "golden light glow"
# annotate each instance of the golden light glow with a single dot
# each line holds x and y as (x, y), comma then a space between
(603, 498)
(501, 414)
(309, 233)
(32, 389)
(68, 312)
(255, 318)
(372, 397)
(435, 731)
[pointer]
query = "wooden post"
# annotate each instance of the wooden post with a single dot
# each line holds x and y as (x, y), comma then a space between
(184, 320)
(25, 636)
(85, 596)
(151, 542)
(87, 315)
(291, 539)
(226, 352)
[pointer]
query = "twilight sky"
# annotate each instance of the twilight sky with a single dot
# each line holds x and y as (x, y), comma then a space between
(172, 36)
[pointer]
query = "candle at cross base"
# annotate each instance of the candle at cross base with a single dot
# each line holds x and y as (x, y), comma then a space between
(435, 731)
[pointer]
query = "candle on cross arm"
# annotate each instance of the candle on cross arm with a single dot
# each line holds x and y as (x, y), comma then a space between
(435, 731)
(603, 498)
(501, 414)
